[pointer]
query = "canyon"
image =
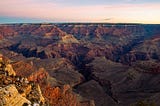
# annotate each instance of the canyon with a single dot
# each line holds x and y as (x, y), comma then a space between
(82, 64)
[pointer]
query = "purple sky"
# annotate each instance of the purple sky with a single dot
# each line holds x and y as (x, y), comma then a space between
(116, 11)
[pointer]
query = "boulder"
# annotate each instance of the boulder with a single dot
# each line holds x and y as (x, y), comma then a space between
(10, 97)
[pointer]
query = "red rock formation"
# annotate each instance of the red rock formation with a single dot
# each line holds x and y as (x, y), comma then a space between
(6, 31)
(38, 76)
(23, 68)
(61, 96)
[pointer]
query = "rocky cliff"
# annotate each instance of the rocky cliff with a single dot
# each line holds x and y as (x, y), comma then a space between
(16, 90)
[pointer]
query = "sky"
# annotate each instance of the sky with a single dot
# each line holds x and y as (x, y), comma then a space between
(54, 11)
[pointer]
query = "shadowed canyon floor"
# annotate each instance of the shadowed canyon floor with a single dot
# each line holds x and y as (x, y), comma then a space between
(81, 64)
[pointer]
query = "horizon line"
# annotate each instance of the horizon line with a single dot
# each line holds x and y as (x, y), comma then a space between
(10, 23)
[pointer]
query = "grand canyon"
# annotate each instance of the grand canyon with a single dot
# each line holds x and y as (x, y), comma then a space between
(80, 64)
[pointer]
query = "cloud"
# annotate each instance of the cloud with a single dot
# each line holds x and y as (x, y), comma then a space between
(107, 19)
(50, 10)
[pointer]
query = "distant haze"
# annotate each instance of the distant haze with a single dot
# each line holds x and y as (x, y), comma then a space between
(112, 11)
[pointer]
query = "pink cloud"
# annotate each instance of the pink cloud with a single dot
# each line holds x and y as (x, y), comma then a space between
(145, 13)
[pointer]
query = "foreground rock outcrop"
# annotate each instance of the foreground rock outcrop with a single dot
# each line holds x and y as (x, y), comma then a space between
(11, 97)
(36, 87)
(16, 90)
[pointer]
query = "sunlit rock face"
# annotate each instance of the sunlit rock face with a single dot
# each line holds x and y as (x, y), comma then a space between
(11, 97)
(17, 90)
